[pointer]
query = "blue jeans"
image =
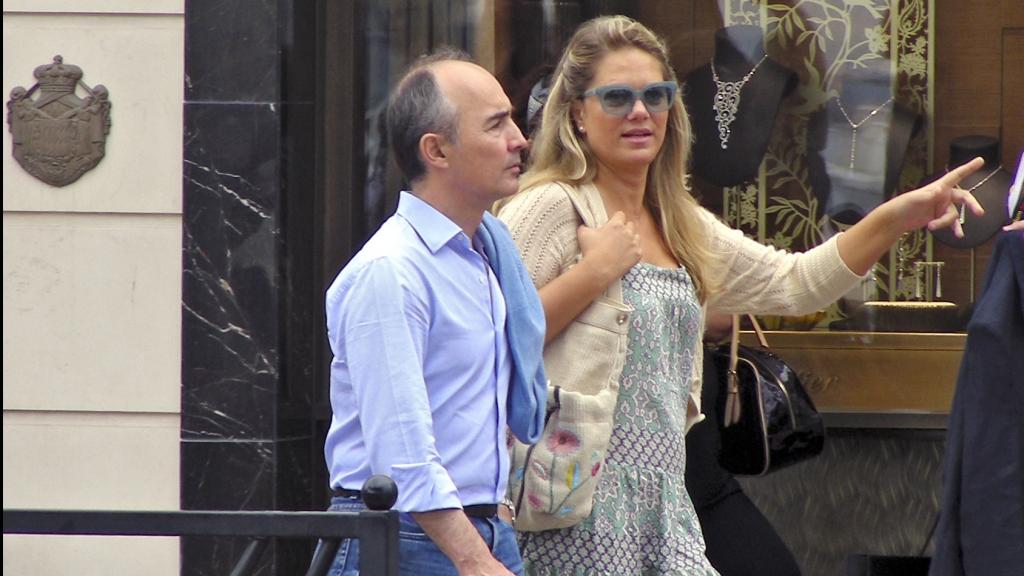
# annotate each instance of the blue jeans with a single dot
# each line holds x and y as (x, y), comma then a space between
(417, 553)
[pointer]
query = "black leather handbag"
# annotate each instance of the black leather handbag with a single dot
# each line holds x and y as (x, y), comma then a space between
(766, 418)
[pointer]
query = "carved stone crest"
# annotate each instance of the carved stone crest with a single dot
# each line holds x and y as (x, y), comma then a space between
(58, 136)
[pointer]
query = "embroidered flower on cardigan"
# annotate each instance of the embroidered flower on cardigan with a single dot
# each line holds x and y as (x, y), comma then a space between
(563, 442)
(535, 501)
(560, 500)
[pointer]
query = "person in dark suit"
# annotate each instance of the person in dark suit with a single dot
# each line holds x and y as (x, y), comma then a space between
(981, 520)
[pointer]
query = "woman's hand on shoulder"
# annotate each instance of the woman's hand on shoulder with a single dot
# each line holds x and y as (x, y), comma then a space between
(611, 249)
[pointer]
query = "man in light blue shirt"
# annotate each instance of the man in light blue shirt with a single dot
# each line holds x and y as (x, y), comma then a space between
(417, 324)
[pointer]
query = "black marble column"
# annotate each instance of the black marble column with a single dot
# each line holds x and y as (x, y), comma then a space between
(249, 297)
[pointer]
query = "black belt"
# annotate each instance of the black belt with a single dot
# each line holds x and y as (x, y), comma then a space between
(473, 511)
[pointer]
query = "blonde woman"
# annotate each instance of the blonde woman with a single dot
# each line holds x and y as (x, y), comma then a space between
(615, 136)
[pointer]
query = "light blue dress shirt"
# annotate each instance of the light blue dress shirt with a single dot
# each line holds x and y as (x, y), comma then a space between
(420, 375)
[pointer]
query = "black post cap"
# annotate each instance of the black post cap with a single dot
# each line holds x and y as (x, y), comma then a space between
(379, 492)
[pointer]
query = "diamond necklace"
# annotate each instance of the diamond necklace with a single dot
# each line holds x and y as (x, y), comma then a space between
(855, 126)
(727, 100)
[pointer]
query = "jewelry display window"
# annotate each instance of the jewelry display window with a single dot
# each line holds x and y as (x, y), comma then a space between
(808, 114)
(829, 122)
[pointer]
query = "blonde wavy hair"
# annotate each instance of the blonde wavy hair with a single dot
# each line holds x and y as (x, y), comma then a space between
(559, 154)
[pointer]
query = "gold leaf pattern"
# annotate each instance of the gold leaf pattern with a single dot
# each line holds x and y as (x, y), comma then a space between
(820, 39)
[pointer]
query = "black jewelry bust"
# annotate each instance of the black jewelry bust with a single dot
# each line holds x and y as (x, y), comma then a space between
(990, 186)
(738, 50)
(856, 144)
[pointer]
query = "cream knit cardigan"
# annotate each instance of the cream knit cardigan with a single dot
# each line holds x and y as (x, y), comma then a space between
(751, 277)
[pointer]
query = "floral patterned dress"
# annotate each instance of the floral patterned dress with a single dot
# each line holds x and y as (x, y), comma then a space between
(643, 521)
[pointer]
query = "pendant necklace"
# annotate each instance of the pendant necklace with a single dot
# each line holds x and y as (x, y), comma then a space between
(963, 207)
(983, 180)
(855, 126)
(727, 100)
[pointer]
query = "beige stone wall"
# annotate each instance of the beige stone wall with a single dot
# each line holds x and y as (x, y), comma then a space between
(92, 291)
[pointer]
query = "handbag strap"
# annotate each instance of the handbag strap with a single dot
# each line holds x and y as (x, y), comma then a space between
(757, 330)
(733, 410)
(732, 384)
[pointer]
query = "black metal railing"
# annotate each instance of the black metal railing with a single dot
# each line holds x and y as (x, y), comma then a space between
(376, 529)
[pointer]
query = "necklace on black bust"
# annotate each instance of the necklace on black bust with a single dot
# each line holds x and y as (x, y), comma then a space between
(727, 100)
(855, 125)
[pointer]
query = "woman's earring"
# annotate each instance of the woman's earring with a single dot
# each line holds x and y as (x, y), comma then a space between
(580, 128)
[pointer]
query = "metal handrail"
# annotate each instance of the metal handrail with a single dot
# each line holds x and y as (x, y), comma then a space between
(377, 531)
(376, 528)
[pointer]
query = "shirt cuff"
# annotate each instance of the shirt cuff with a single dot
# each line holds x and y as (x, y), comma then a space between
(424, 487)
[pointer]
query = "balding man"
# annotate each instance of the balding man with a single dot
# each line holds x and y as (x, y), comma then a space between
(417, 324)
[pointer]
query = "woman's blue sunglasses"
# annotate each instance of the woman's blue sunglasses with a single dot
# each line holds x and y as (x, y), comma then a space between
(619, 99)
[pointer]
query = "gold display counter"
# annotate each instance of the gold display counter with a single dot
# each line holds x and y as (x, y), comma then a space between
(874, 379)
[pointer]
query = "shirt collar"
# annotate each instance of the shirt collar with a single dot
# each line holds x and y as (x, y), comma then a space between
(433, 227)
